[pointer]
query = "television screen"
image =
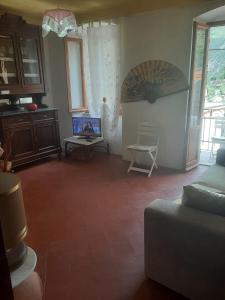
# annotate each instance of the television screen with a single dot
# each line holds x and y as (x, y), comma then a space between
(86, 126)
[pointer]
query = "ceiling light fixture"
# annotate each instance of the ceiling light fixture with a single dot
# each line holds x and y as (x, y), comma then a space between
(60, 21)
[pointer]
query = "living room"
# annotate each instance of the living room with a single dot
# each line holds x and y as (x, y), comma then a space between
(85, 215)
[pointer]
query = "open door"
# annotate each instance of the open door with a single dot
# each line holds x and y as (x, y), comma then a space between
(196, 95)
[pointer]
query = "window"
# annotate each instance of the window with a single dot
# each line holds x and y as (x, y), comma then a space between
(216, 66)
(75, 74)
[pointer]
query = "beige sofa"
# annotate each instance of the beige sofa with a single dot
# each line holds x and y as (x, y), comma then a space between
(185, 240)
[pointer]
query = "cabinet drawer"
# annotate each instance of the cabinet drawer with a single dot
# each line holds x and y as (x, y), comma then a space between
(43, 116)
(17, 120)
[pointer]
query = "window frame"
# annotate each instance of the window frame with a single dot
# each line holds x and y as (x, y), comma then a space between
(84, 107)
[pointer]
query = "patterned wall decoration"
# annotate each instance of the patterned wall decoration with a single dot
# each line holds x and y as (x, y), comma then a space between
(151, 80)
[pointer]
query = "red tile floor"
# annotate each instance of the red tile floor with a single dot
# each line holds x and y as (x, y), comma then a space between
(85, 222)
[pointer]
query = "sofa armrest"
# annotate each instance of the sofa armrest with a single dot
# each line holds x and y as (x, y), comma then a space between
(220, 157)
(185, 249)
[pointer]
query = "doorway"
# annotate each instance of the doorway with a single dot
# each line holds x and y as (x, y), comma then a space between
(205, 132)
(213, 112)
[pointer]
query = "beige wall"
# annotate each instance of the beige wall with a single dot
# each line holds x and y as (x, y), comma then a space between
(56, 82)
(48, 99)
(165, 35)
(162, 34)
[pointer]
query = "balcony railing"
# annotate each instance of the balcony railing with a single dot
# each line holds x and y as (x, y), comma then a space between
(213, 125)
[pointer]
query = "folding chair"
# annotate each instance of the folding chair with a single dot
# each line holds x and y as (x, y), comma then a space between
(149, 133)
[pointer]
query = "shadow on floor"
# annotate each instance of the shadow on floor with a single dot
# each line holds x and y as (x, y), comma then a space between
(150, 289)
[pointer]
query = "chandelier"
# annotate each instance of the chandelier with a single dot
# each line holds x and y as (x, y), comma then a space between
(60, 21)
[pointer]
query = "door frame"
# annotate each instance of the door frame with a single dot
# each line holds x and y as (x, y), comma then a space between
(196, 25)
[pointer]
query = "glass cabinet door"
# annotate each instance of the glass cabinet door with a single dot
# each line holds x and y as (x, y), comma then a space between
(30, 61)
(8, 70)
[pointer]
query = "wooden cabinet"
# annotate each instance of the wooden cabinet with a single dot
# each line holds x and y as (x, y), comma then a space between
(21, 57)
(33, 135)
(23, 142)
(46, 136)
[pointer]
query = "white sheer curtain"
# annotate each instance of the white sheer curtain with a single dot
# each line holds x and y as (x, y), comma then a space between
(102, 75)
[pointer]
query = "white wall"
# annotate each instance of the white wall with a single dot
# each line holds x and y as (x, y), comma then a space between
(166, 35)
(162, 34)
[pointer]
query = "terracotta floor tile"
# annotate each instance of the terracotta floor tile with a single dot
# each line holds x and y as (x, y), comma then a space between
(85, 222)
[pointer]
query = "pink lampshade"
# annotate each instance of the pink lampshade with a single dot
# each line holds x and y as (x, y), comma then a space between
(60, 21)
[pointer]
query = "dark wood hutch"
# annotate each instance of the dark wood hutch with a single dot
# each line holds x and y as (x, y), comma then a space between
(33, 135)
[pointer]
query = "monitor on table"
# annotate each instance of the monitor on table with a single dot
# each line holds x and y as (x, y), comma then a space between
(87, 127)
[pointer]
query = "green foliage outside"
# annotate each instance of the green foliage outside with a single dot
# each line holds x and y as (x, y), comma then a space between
(216, 65)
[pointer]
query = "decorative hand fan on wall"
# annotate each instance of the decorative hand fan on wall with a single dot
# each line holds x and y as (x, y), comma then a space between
(151, 80)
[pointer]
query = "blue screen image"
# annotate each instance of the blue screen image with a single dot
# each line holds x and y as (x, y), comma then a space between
(86, 126)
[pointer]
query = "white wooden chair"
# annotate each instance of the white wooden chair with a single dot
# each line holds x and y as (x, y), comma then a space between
(147, 142)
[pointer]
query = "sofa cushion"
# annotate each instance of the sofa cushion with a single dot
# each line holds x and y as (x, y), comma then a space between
(199, 197)
(214, 177)
(207, 188)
